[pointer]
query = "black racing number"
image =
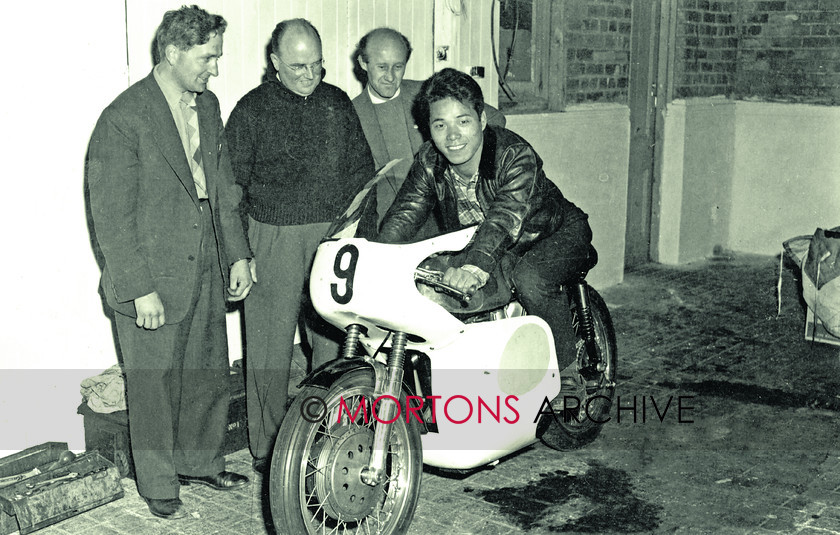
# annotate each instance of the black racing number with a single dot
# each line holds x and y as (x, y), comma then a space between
(345, 273)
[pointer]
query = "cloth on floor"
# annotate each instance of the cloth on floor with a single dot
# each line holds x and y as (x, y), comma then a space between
(105, 393)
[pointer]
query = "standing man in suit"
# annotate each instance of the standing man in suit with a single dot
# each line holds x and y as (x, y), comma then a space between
(385, 111)
(165, 213)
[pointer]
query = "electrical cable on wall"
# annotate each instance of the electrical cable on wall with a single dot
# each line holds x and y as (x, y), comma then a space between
(512, 38)
(456, 10)
(502, 82)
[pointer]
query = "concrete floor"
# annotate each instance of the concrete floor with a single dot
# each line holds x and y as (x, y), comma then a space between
(761, 455)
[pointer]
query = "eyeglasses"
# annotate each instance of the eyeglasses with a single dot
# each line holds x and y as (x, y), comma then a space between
(300, 68)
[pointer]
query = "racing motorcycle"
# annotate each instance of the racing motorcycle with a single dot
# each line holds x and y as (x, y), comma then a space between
(426, 375)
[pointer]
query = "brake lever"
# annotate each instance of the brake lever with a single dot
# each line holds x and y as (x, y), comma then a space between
(428, 275)
(434, 279)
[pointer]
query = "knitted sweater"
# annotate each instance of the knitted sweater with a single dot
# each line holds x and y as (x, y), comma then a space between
(299, 160)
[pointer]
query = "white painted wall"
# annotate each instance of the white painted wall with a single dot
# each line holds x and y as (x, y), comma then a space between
(63, 62)
(666, 217)
(786, 177)
(744, 176)
(697, 165)
(585, 151)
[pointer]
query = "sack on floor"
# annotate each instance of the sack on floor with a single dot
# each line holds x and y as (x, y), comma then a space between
(821, 278)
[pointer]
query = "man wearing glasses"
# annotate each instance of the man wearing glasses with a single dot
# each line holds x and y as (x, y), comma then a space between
(300, 155)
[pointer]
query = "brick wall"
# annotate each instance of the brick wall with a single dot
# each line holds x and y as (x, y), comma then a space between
(778, 50)
(597, 43)
(790, 50)
(706, 48)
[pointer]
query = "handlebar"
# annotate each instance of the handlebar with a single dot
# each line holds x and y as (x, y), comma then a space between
(434, 279)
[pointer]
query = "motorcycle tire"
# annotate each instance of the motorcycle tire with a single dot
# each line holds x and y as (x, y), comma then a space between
(565, 430)
(321, 448)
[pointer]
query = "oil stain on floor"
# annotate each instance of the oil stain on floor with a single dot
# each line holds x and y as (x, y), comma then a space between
(606, 496)
(748, 393)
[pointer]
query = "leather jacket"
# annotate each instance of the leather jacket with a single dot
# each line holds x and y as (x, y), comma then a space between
(521, 205)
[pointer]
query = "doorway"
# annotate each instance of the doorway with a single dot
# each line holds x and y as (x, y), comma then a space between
(649, 60)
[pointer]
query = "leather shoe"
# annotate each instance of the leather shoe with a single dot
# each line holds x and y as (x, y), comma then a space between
(261, 464)
(167, 508)
(221, 481)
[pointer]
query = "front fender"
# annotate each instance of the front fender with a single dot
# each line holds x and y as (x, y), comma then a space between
(327, 374)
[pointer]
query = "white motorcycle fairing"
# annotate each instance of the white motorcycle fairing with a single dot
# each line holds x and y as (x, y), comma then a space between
(489, 379)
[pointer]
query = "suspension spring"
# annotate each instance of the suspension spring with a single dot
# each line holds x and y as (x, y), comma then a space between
(396, 360)
(587, 326)
(351, 341)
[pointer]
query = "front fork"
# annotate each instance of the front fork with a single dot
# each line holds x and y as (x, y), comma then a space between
(389, 384)
(388, 389)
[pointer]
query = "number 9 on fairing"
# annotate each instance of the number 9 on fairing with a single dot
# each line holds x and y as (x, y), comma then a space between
(344, 273)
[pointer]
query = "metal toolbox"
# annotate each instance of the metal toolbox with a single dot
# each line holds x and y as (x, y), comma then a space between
(46, 484)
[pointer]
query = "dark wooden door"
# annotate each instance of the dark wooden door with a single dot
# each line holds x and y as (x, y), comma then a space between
(644, 70)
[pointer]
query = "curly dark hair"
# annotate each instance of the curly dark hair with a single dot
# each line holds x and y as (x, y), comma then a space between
(448, 83)
(185, 28)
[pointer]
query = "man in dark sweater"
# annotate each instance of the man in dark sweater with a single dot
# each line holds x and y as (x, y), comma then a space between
(300, 155)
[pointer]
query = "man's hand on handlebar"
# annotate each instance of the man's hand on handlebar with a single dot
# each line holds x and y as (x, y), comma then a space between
(434, 279)
(462, 280)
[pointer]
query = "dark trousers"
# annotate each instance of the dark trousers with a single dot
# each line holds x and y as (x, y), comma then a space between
(283, 255)
(538, 277)
(177, 385)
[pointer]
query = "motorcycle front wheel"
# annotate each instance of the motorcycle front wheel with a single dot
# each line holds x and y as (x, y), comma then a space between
(572, 428)
(323, 445)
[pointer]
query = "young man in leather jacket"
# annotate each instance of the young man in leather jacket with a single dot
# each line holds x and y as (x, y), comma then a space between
(472, 173)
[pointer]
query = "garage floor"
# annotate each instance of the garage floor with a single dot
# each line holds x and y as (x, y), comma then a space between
(761, 454)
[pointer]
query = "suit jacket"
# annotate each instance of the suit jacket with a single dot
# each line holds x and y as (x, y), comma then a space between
(145, 209)
(370, 126)
(408, 91)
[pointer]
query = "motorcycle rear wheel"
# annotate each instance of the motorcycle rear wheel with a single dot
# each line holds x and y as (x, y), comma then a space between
(315, 484)
(569, 429)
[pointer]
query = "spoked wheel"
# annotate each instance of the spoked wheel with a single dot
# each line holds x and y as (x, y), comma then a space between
(580, 413)
(315, 481)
